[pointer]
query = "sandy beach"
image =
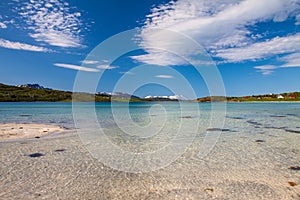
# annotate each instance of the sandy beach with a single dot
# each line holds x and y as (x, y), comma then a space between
(62, 168)
(11, 131)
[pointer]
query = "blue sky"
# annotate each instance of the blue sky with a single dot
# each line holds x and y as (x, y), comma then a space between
(254, 44)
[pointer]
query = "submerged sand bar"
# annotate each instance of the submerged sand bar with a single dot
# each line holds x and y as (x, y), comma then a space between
(18, 131)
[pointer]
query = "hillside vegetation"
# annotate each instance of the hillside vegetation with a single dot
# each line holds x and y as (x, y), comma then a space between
(25, 93)
(15, 94)
(292, 96)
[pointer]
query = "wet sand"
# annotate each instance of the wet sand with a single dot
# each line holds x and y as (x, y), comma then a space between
(241, 166)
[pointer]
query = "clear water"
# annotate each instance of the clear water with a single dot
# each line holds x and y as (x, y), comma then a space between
(252, 158)
(150, 127)
(271, 114)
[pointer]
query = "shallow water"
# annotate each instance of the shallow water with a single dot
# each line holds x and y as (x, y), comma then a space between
(255, 157)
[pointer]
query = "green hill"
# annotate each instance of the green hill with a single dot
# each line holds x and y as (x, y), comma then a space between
(10, 93)
(34, 92)
(14, 93)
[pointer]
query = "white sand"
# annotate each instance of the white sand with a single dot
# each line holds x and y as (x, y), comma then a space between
(18, 131)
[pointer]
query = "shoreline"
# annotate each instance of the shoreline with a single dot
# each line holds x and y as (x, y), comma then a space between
(188, 101)
(263, 102)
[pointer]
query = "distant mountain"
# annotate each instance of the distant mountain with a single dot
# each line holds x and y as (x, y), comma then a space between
(170, 98)
(33, 86)
(117, 95)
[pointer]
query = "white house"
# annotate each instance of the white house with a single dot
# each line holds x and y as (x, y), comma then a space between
(280, 96)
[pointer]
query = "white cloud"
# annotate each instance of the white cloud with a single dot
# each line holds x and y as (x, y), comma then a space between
(76, 67)
(53, 22)
(21, 46)
(89, 62)
(266, 69)
(216, 25)
(292, 60)
(2, 25)
(159, 57)
(105, 61)
(259, 50)
(106, 67)
(164, 76)
(48, 5)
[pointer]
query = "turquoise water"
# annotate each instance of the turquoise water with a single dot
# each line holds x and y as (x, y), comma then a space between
(49, 113)
(287, 114)
(253, 151)
(158, 122)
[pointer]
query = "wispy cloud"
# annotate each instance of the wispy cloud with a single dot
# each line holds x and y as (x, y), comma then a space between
(2, 25)
(266, 69)
(21, 46)
(5, 21)
(223, 27)
(160, 57)
(259, 50)
(76, 67)
(164, 76)
(89, 62)
(53, 22)
(291, 60)
(106, 67)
